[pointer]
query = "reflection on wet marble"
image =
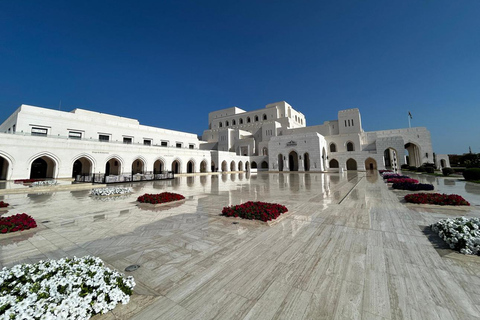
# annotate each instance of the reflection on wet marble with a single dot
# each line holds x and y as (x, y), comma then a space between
(348, 250)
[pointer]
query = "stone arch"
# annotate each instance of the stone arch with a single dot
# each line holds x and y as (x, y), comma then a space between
(43, 166)
(256, 118)
(350, 146)
(82, 165)
(191, 166)
(351, 164)
(113, 166)
(240, 120)
(414, 157)
(213, 167)
(370, 164)
(232, 166)
(220, 124)
(293, 160)
(264, 117)
(280, 162)
(158, 166)
(224, 166)
(333, 163)
(248, 119)
(177, 166)
(233, 122)
(264, 165)
(227, 123)
(443, 163)
(306, 161)
(138, 166)
(6, 164)
(265, 151)
(390, 158)
(247, 166)
(240, 166)
(203, 166)
(333, 147)
(254, 165)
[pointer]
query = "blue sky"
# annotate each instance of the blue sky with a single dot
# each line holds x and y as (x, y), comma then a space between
(169, 63)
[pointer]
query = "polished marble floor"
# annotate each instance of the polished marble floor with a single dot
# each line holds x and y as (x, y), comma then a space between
(349, 249)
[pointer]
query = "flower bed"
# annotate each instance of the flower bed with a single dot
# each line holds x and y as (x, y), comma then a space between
(412, 186)
(3, 204)
(437, 198)
(255, 211)
(401, 180)
(18, 181)
(383, 171)
(462, 234)
(18, 222)
(394, 176)
(111, 191)
(75, 288)
(159, 198)
(45, 183)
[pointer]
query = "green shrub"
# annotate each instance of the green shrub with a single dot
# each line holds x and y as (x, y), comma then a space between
(429, 169)
(420, 169)
(405, 166)
(428, 165)
(447, 171)
(471, 174)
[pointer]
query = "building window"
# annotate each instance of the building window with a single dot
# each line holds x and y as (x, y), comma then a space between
(241, 121)
(349, 123)
(333, 147)
(220, 124)
(350, 146)
(178, 145)
(345, 123)
(264, 117)
(227, 123)
(127, 140)
(147, 142)
(191, 146)
(233, 122)
(14, 128)
(39, 131)
(9, 130)
(352, 122)
(74, 135)
(256, 118)
(164, 143)
(103, 137)
(248, 119)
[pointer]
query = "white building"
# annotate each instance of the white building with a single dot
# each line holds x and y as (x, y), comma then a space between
(43, 143)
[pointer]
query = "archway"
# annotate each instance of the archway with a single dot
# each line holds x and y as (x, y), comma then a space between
(264, 165)
(265, 151)
(190, 167)
(3, 168)
(390, 158)
(443, 163)
(137, 166)
(240, 166)
(81, 166)
(293, 161)
(203, 166)
(112, 167)
(247, 166)
(254, 165)
(333, 147)
(333, 163)
(224, 166)
(158, 166)
(351, 164)
(43, 167)
(306, 161)
(280, 162)
(232, 166)
(176, 166)
(413, 155)
(370, 164)
(213, 167)
(350, 146)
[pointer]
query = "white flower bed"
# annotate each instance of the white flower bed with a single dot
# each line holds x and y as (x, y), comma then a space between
(462, 234)
(75, 288)
(45, 183)
(110, 191)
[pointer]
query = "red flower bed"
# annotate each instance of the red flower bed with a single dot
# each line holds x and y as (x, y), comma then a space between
(3, 204)
(18, 222)
(383, 171)
(26, 180)
(160, 197)
(402, 180)
(437, 198)
(255, 211)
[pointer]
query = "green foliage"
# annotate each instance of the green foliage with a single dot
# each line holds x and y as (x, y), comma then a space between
(471, 174)
(447, 171)
(420, 169)
(429, 170)
(405, 166)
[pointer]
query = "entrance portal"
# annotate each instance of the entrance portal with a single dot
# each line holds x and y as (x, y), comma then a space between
(293, 161)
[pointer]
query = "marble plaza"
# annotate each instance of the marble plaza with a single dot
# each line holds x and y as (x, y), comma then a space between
(348, 249)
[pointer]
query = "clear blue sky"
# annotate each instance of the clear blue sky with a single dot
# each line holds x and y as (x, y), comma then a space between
(169, 63)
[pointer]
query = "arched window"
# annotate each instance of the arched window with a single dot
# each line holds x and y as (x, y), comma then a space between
(264, 117)
(333, 147)
(227, 123)
(241, 121)
(265, 151)
(256, 118)
(350, 146)
(234, 122)
(248, 119)
(220, 124)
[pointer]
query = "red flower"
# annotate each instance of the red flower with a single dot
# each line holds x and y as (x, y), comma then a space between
(18, 222)
(160, 198)
(255, 211)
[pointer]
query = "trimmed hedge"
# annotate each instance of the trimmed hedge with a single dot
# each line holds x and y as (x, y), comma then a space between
(429, 170)
(447, 171)
(471, 174)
